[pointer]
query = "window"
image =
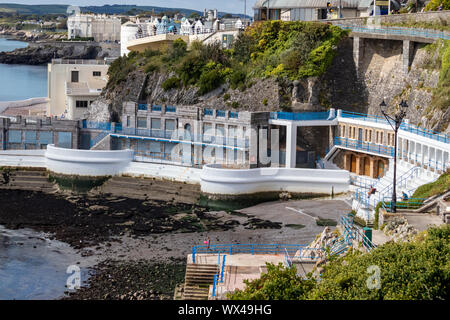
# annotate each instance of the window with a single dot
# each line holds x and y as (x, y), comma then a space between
(141, 122)
(65, 140)
(366, 135)
(128, 121)
(170, 124)
(15, 136)
(370, 135)
(207, 129)
(74, 77)
(220, 130)
(46, 137)
(81, 104)
(381, 137)
(97, 73)
(156, 124)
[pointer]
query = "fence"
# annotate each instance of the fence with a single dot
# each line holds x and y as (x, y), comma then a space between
(399, 31)
(300, 116)
(351, 232)
(252, 249)
(364, 146)
(442, 137)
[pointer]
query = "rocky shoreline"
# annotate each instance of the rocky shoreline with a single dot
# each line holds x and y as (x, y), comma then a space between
(137, 248)
(43, 52)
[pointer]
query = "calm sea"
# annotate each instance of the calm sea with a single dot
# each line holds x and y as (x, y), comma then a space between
(33, 267)
(19, 82)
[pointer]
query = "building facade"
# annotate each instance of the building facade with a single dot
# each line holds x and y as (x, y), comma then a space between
(308, 10)
(73, 85)
(99, 27)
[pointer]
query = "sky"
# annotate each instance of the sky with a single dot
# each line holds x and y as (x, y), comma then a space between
(232, 6)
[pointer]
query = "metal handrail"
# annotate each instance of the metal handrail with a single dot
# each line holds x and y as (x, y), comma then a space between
(252, 249)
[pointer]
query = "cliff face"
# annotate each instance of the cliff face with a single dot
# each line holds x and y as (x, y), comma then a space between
(343, 86)
(381, 77)
(41, 53)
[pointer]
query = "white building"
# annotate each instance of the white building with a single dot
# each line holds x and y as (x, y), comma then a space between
(99, 27)
(73, 85)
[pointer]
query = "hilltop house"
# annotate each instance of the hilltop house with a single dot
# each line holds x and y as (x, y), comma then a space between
(307, 10)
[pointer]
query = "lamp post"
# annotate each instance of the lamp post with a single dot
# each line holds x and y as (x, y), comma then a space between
(395, 122)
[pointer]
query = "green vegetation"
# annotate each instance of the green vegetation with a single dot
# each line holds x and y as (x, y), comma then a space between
(441, 25)
(416, 270)
(441, 94)
(326, 222)
(433, 5)
(439, 186)
(270, 49)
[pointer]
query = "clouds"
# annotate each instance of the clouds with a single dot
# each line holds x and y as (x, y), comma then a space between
(233, 6)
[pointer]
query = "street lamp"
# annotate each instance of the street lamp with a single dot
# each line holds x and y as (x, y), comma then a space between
(395, 122)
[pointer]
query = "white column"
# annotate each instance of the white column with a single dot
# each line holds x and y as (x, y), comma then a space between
(291, 145)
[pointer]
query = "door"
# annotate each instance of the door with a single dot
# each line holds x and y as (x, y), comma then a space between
(367, 166)
(380, 168)
(353, 160)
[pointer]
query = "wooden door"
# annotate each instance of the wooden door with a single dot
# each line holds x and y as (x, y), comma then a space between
(353, 159)
(367, 166)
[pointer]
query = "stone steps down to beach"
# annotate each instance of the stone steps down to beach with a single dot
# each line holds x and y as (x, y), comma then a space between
(148, 188)
(197, 281)
(36, 180)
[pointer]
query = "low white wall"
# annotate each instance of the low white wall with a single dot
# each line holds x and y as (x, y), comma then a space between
(217, 180)
(164, 171)
(87, 162)
(23, 158)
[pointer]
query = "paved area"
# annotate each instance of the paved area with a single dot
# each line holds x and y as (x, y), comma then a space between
(239, 260)
(422, 221)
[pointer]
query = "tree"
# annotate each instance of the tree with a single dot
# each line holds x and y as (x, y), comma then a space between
(416, 270)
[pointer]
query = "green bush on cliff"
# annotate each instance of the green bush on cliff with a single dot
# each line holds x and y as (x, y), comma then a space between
(416, 270)
(268, 49)
(433, 5)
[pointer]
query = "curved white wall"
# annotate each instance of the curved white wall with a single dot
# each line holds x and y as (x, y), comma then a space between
(87, 162)
(216, 180)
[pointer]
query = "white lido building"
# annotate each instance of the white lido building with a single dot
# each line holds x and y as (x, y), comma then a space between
(73, 85)
(99, 27)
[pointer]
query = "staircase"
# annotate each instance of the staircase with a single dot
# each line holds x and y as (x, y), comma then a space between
(30, 180)
(409, 178)
(197, 281)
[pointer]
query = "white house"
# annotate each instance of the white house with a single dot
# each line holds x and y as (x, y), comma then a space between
(99, 27)
(73, 85)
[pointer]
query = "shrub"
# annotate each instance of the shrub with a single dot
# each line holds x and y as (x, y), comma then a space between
(151, 68)
(171, 83)
(191, 70)
(417, 270)
(209, 81)
(226, 97)
(237, 78)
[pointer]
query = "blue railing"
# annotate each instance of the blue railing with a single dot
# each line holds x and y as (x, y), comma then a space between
(171, 109)
(156, 108)
(411, 32)
(364, 146)
(98, 138)
(287, 259)
(351, 232)
(300, 116)
(439, 136)
(220, 113)
(96, 125)
(410, 203)
(208, 112)
(234, 115)
(251, 249)
(142, 106)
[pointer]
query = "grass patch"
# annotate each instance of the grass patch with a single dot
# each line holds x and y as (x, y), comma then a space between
(326, 222)
(439, 186)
